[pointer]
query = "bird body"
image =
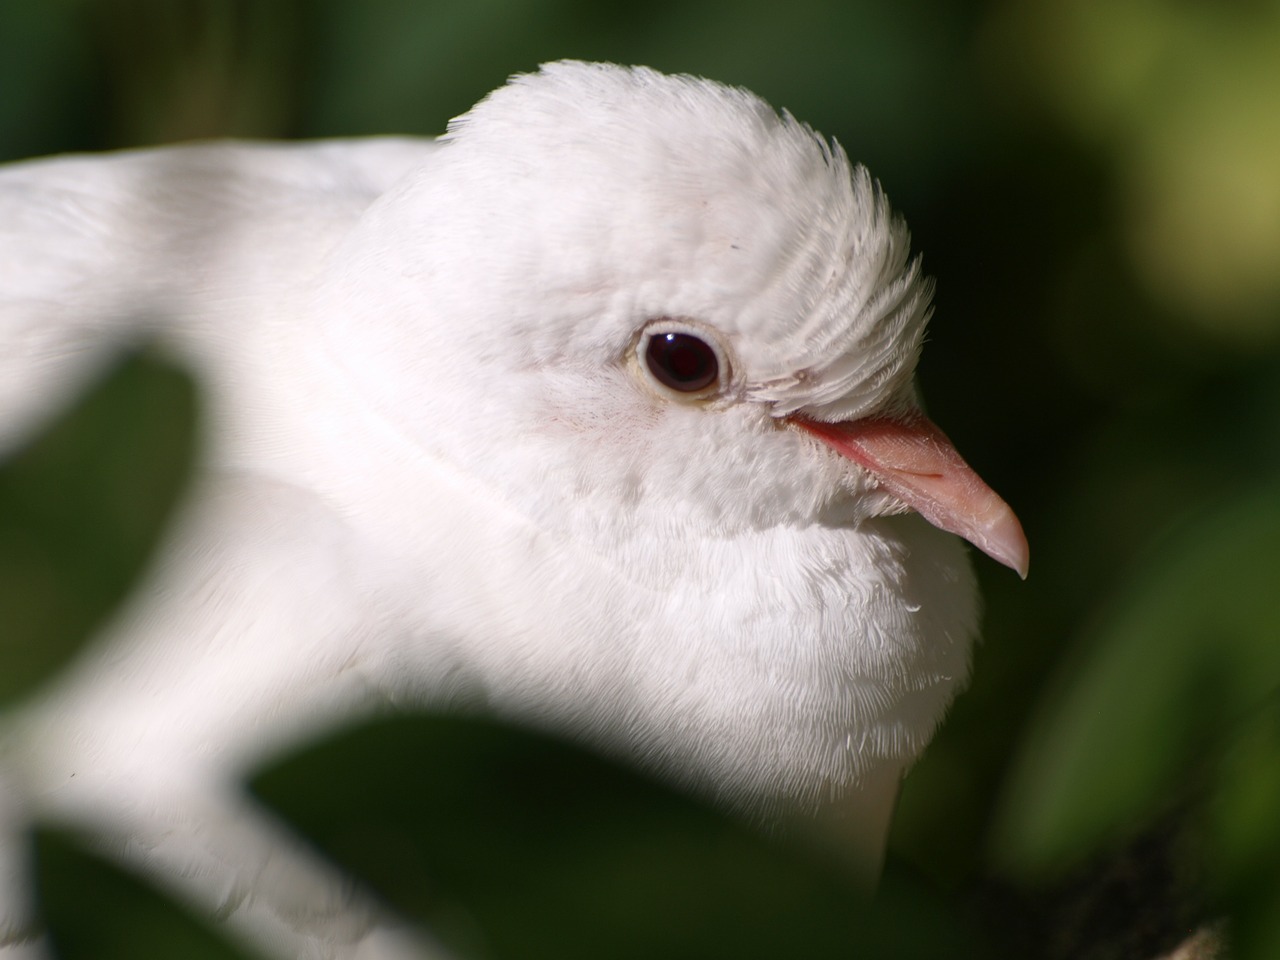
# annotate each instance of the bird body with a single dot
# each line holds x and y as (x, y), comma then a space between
(598, 414)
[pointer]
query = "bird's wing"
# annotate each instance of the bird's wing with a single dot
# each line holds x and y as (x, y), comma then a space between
(95, 250)
(250, 633)
(195, 245)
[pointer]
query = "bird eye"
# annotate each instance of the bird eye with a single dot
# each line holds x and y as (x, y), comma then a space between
(682, 362)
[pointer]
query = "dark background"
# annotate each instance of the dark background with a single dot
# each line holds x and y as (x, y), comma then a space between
(1095, 184)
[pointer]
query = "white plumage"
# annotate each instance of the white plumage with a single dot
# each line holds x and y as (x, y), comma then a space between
(445, 457)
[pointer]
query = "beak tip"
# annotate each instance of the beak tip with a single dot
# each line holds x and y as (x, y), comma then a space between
(1006, 543)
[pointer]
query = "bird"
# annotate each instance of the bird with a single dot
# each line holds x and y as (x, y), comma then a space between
(598, 410)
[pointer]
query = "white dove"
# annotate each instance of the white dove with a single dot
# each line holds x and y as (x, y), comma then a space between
(599, 410)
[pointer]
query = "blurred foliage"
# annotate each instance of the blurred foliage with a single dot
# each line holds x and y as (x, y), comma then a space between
(97, 912)
(1096, 186)
(1181, 97)
(80, 509)
(1168, 674)
(505, 843)
(1173, 706)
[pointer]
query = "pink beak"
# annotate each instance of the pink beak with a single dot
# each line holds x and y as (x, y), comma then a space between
(914, 461)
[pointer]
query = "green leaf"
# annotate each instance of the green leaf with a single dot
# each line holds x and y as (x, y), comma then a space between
(80, 509)
(1243, 832)
(1189, 648)
(509, 844)
(94, 911)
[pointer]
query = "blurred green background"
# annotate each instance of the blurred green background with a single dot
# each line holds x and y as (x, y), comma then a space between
(1095, 184)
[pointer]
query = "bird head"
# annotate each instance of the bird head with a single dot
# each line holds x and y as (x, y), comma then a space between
(655, 290)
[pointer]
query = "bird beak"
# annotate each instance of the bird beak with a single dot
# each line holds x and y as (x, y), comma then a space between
(915, 462)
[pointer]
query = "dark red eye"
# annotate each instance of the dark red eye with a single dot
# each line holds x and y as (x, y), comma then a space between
(682, 362)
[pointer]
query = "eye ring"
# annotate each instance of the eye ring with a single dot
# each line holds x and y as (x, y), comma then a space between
(680, 360)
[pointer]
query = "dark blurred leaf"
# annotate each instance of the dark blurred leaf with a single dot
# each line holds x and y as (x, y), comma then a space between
(509, 844)
(1189, 649)
(80, 509)
(47, 81)
(96, 912)
(879, 76)
(1244, 836)
(197, 69)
